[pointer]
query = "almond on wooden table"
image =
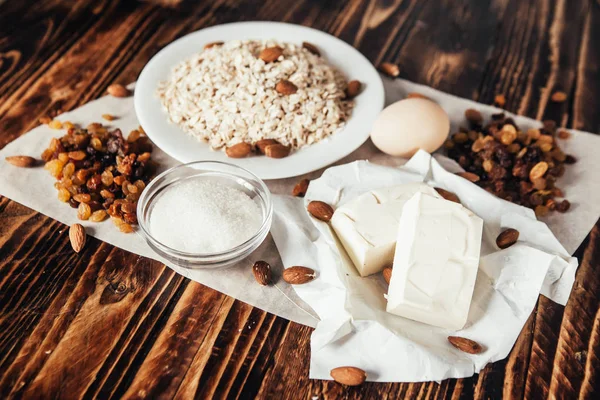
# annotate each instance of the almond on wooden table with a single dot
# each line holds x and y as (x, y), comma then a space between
(118, 90)
(262, 272)
(466, 345)
(391, 70)
(320, 210)
(239, 150)
(21, 161)
(350, 376)
(300, 188)
(277, 150)
(298, 275)
(77, 237)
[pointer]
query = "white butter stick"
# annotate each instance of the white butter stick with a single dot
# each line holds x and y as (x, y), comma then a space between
(367, 226)
(435, 262)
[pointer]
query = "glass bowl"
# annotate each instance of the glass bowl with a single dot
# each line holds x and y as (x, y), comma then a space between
(225, 173)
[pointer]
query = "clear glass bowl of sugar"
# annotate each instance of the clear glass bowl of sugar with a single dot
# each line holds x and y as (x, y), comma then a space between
(205, 214)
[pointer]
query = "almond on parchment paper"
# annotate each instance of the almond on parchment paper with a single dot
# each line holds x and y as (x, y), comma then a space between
(353, 88)
(320, 210)
(300, 188)
(262, 272)
(239, 150)
(262, 144)
(466, 345)
(298, 275)
(387, 274)
(312, 48)
(77, 237)
(277, 150)
(507, 238)
(350, 376)
(118, 90)
(21, 161)
(469, 176)
(391, 70)
(270, 54)
(286, 87)
(447, 195)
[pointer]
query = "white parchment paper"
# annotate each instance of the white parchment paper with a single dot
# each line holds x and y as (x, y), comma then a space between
(331, 341)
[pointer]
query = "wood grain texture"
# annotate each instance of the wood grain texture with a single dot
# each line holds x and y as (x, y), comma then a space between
(109, 324)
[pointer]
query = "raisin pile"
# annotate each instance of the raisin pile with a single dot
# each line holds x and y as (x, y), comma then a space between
(100, 173)
(515, 165)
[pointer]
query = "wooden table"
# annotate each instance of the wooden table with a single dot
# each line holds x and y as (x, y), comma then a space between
(107, 323)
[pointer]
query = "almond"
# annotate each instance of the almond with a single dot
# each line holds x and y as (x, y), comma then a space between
(300, 188)
(507, 238)
(77, 237)
(118, 90)
(558, 97)
(387, 274)
(298, 275)
(312, 48)
(286, 87)
(21, 161)
(538, 170)
(277, 151)
(239, 150)
(466, 345)
(469, 176)
(448, 195)
(212, 44)
(263, 143)
(270, 54)
(320, 210)
(391, 70)
(350, 376)
(353, 89)
(262, 272)
(474, 116)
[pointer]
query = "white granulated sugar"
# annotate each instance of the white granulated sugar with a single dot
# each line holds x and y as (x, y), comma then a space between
(226, 95)
(199, 216)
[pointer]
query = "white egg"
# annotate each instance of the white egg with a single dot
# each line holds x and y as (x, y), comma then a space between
(408, 125)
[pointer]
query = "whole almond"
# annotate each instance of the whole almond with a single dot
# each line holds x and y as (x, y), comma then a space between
(312, 48)
(353, 89)
(391, 70)
(350, 376)
(300, 188)
(277, 151)
(466, 345)
(286, 87)
(507, 238)
(387, 274)
(558, 97)
(262, 272)
(21, 161)
(270, 54)
(538, 170)
(447, 195)
(262, 144)
(298, 275)
(118, 90)
(239, 150)
(320, 210)
(77, 237)
(212, 44)
(474, 116)
(469, 176)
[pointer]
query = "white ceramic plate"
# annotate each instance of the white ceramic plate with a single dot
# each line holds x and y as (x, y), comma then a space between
(185, 148)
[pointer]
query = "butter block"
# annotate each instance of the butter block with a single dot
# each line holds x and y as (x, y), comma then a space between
(367, 226)
(435, 262)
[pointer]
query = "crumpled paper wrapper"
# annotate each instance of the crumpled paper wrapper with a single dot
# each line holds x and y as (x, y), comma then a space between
(356, 330)
(34, 188)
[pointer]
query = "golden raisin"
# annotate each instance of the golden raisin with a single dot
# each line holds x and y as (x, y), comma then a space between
(107, 178)
(55, 167)
(77, 155)
(64, 195)
(84, 211)
(82, 198)
(64, 157)
(99, 215)
(55, 124)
